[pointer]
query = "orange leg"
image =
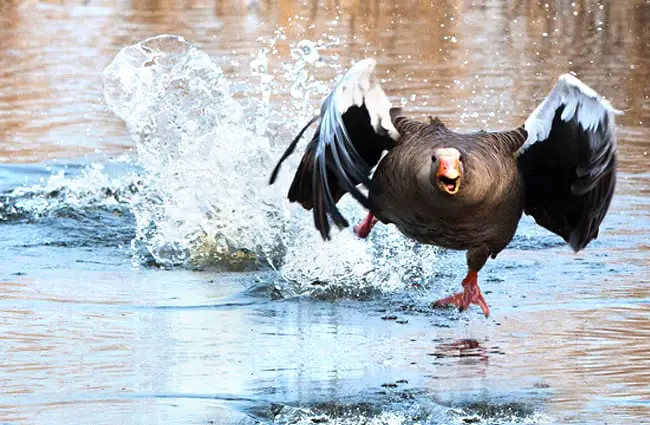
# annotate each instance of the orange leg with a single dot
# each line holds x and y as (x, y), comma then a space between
(471, 295)
(363, 230)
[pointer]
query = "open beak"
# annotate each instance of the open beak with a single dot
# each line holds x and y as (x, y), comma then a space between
(449, 175)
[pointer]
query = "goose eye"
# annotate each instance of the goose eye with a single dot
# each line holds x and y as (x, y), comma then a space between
(433, 158)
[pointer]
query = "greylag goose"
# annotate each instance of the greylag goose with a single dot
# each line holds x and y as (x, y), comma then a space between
(454, 190)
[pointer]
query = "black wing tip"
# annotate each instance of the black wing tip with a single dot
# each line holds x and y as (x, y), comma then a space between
(325, 231)
(578, 242)
(575, 244)
(274, 173)
(290, 149)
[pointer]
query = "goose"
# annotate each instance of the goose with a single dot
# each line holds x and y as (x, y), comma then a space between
(460, 191)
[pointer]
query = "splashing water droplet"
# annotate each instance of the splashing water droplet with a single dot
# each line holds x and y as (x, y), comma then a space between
(308, 51)
(259, 65)
(205, 198)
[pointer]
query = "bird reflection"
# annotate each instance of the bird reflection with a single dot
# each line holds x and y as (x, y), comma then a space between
(462, 348)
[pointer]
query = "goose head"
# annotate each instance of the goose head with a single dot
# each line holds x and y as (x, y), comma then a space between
(446, 170)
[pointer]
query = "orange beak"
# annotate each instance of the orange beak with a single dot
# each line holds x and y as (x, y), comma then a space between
(449, 167)
(448, 175)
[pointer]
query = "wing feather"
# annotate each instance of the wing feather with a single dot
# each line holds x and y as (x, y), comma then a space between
(354, 129)
(569, 161)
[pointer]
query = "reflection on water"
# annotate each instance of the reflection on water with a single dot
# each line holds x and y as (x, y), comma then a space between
(85, 332)
(476, 64)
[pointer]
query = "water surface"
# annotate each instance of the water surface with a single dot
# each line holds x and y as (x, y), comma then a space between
(94, 329)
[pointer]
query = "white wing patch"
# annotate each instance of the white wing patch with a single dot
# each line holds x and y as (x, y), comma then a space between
(575, 96)
(360, 85)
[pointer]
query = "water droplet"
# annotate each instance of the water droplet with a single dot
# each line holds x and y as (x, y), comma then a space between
(308, 51)
(259, 65)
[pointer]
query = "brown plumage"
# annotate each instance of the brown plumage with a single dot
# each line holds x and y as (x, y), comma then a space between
(461, 191)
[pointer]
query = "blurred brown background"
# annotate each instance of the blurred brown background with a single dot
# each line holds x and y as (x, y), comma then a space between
(477, 64)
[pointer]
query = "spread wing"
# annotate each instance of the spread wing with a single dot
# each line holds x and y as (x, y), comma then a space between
(569, 161)
(353, 131)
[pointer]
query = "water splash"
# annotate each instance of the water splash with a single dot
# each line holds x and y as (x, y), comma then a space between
(73, 205)
(205, 196)
(402, 407)
(79, 189)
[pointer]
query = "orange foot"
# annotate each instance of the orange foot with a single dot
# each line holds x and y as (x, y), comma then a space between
(363, 230)
(471, 295)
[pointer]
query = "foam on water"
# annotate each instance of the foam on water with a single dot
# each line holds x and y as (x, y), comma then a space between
(403, 408)
(79, 189)
(207, 159)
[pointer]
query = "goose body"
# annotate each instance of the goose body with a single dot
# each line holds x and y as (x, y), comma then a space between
(483, 214)
(454, 190)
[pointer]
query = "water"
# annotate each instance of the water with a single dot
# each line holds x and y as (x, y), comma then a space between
(149, 274)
